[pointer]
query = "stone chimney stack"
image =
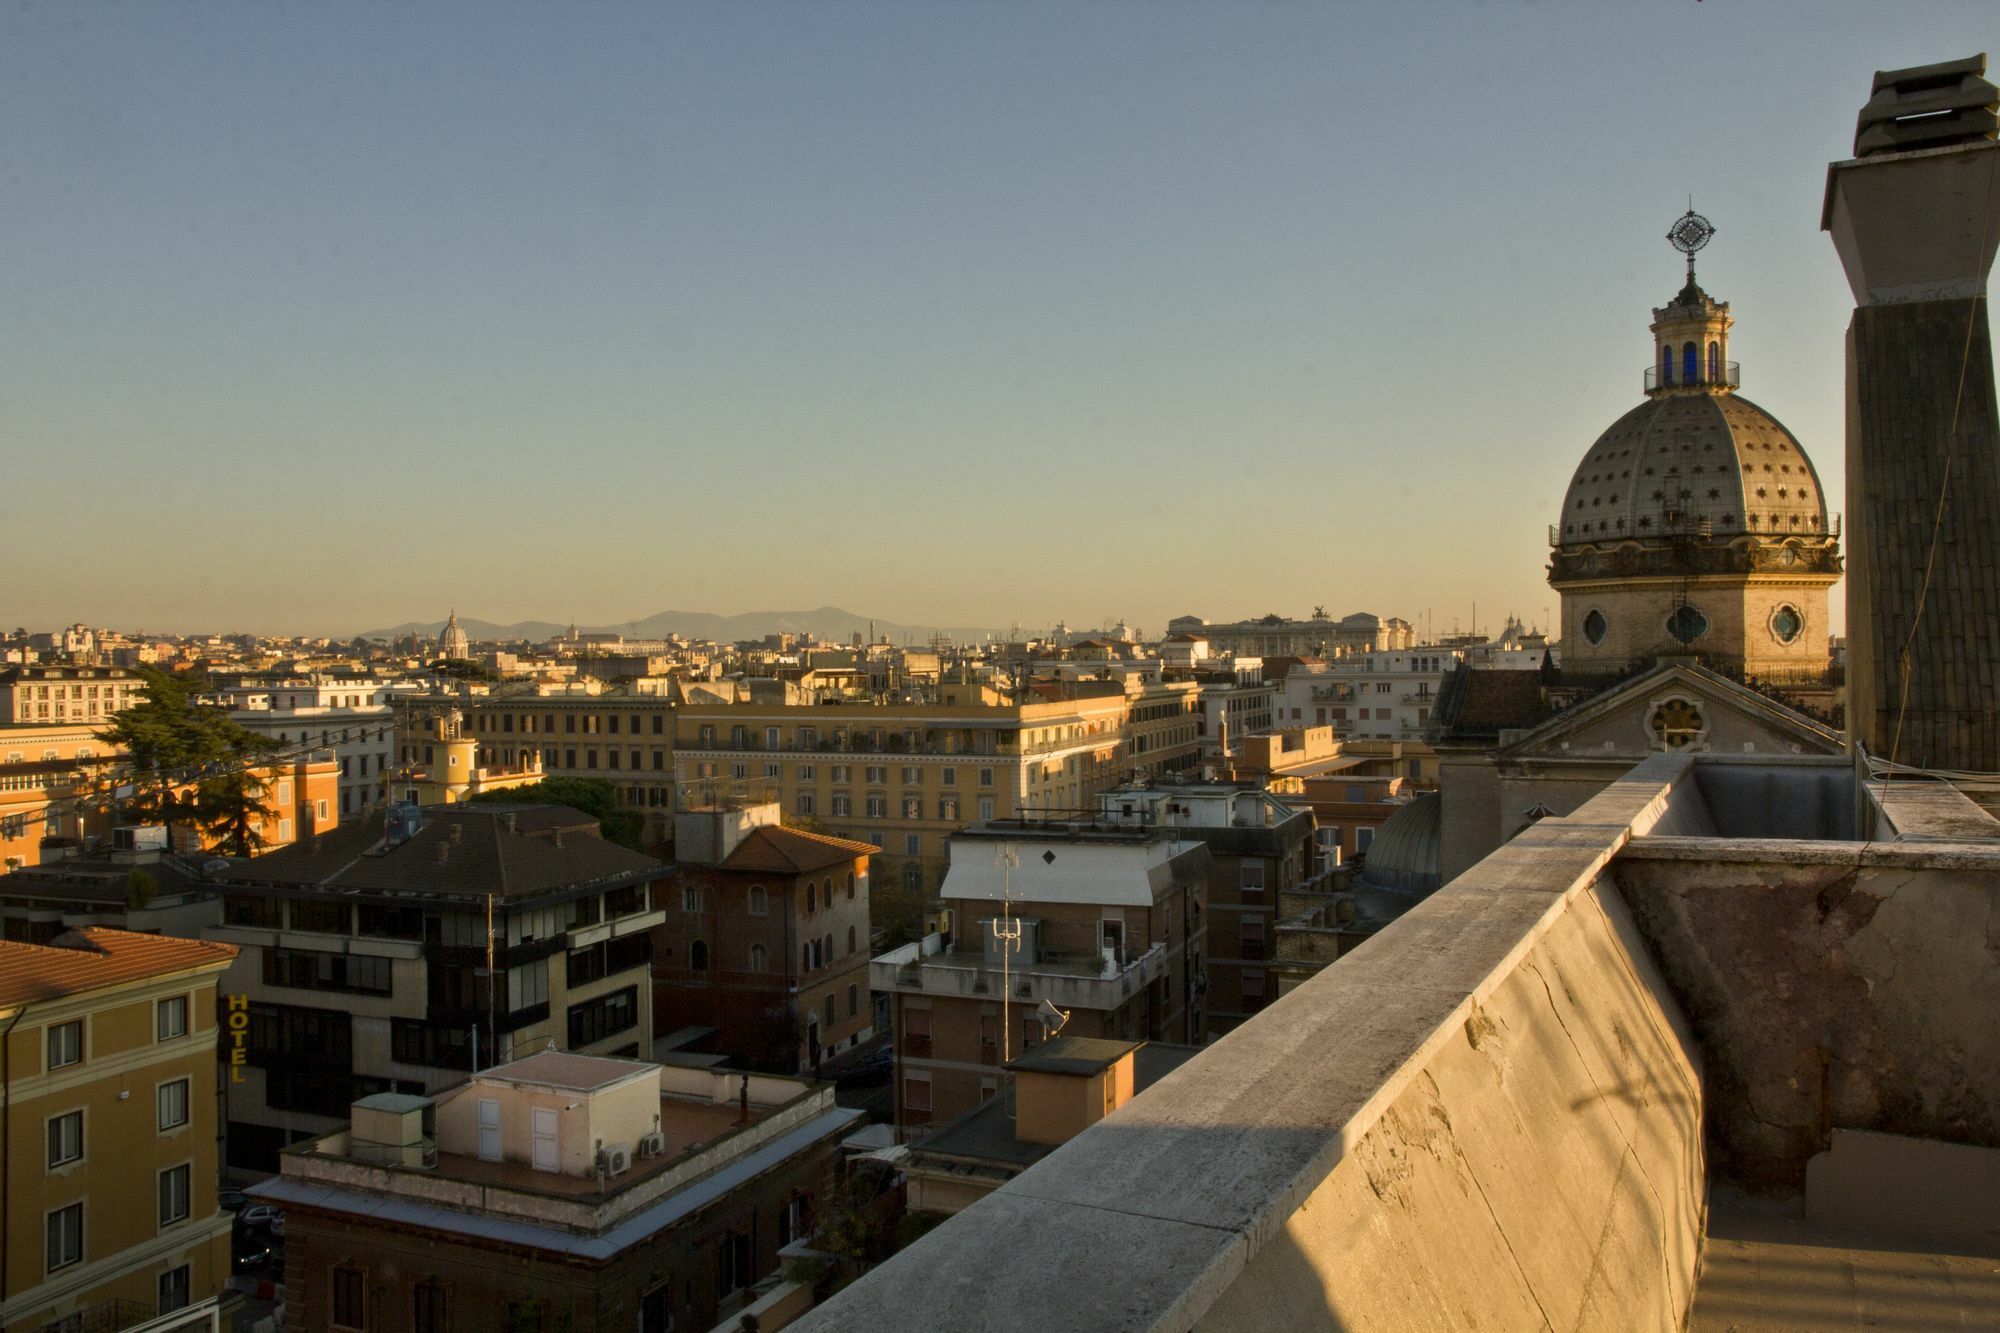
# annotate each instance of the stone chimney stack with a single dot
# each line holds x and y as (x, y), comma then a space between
(1915, 216)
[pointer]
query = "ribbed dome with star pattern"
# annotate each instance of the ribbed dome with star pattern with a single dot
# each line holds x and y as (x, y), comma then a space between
(1689, 461)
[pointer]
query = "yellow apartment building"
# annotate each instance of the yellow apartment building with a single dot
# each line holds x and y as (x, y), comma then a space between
(59, 780)
(906, 776)
(57, 693)
(623, 737)
(107, 1047)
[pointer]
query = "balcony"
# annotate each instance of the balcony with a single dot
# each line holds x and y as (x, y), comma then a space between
(1731, 377)
(1065, 980)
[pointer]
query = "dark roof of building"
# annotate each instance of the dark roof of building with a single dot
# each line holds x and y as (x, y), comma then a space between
(458, 851)
(775, 850)
(1477, 705)
(94, 957)
(102, 878)
(1073, 1055)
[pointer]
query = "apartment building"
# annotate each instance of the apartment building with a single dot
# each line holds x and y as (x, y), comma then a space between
(111, 1123)
(903, 777)
(764, 939)
(60, 791)
(406, 952)
(558, 1191)
(1109, 927)
(48, 775)
(1164, 729)
(43, 694)
(1317, 636)
(351, 716)
(623, 736)
(1259, 847)
(1368, 696)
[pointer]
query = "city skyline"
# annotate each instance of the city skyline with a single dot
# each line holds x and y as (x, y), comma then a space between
(953, 317)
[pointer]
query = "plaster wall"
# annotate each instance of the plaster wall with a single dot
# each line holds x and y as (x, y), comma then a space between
(1832, 986)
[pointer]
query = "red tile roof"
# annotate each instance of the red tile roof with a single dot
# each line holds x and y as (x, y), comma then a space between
(92, 957)
(773, 849)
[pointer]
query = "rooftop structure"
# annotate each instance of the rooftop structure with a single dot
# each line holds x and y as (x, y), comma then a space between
(610, 1186)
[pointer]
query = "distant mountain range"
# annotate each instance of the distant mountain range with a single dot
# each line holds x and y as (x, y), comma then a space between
(829, 622)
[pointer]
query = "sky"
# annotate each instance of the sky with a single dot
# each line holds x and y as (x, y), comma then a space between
(324, 317)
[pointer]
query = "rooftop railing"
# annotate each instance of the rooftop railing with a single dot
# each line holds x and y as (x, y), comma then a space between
(1731, 377)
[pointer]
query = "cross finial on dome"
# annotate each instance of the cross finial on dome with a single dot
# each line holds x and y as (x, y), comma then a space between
(1690, 232)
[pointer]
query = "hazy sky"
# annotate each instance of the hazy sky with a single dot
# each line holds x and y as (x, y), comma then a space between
(320, 317)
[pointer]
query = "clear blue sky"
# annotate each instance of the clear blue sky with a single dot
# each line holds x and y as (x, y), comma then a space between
(320, 317)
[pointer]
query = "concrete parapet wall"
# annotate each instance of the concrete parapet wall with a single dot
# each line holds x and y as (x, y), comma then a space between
(1832, 986)
(1487, 1116)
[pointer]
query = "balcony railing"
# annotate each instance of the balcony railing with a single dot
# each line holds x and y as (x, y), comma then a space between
(1731, 376)
(1064, 980)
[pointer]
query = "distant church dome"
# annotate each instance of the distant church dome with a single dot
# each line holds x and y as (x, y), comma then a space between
(1696, 523)
(453, 642)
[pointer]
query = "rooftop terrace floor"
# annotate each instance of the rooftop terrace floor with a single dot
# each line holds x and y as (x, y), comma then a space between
(1765, 1273)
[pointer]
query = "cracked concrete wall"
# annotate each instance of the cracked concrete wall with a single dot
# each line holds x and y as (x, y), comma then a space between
(1830, 986)
(1541, 1169)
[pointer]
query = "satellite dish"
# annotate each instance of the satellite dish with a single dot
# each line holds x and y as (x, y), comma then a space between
(1050, 1017)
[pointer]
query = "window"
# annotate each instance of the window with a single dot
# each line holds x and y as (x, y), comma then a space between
(173, 1289)
(64, 1244)
(917, 1033)
(760, 958)
(349, 1291)
(950, 778)
(913, 844)
(1714, 362)
(948, 807)
(66, 1043)
(877, 773)
(1666, 364)
(917, 1098)
(808, 772)
(986, 807)
(850, 939)
(1594, 626)
(171, 1105)
(913, 807)
(853, 1000)
(690, 897)
(429, 1309)
(759, 903)
(843, 805)
(1251, 879)
(732, 1267)
(805, 803)
(1252, 937)
(1690, 364)
(65, 1139)
(842, 773)
(912, 775)
(595, 1020)
(698, 956)
(174, 1194)
(850, 886)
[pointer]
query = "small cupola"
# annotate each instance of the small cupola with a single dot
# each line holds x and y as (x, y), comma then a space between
(1691, 332)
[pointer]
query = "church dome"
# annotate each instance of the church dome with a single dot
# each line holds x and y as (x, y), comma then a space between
(1408, 850)
(1700, 463)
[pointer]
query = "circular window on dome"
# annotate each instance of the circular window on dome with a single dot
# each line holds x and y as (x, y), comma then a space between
(1595, 625)
(1687, 624)
(1787, 624)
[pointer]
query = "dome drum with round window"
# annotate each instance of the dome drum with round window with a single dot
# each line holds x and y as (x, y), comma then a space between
(1696, 523)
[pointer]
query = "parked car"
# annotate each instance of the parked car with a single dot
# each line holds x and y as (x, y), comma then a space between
(232, 1200)
(265, 1215)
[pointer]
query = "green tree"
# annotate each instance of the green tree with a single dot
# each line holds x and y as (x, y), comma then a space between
(189, 763)
(593, 796)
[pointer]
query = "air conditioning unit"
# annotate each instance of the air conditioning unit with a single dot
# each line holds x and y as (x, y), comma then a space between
(615, 1160)
(653, 1145)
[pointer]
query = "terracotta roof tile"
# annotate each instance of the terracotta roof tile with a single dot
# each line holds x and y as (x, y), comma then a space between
(92, 957)
(774, 849)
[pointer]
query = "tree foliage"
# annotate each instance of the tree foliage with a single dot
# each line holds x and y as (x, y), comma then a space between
(192, 764)
(594, 796)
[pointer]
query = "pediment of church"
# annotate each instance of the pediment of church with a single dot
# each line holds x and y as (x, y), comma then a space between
(1676, 707)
